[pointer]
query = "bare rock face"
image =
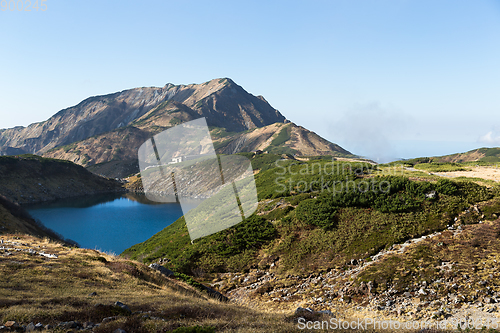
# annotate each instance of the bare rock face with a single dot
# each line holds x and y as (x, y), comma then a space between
(224, 103)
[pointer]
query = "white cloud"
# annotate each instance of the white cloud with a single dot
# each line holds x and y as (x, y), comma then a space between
(490, 138)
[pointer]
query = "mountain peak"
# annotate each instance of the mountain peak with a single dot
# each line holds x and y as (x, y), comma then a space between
(223, 102)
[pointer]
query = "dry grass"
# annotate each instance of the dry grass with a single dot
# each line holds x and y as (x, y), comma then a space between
(34, 288)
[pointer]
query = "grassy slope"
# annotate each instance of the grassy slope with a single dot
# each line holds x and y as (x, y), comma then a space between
(14, 219)
(38, 289)
(30, 178)
(304, 230)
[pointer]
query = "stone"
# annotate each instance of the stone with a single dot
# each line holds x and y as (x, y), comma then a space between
(123, 306)
(327, 312)
(3, 328)
(88, 324)
(431, 195)
(11, 324)
(370, 286)
(422, 292)
(30, 327)
(438, 313)
(108, 319)
(300, 311)
(407, 294)
(69, 324)
(165, 271)
(93, 294)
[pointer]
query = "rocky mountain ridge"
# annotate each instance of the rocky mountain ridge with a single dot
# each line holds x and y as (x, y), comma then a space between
(223, 102)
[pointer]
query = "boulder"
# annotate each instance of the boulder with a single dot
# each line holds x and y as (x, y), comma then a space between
(165, 271)
(31, 327)
(124, 307)
(11, 325)
(69, 324)
(301, 311)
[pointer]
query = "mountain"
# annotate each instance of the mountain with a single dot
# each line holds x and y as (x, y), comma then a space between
(31, 178)
(486, 155)
(104, 133)
(114, 153)
(221, 101)
(489, 155)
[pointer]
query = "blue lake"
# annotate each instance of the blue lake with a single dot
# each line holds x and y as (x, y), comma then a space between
(110, 223)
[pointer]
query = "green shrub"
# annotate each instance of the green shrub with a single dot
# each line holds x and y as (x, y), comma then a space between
(473, 192)
(278, 213)
(282, 137)
(175, 121)
(317, 212)
(251, 233)
(446, 187)
(440, 167)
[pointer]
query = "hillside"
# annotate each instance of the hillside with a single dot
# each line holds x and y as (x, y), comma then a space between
(114, 154)
(278, 138)
(66, 289)
(30, 178)
(221, 101)
(357, 238)
(484, 155)
(481, 165)
(15, 220)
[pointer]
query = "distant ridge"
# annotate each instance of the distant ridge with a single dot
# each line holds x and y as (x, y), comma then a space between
(487, 155)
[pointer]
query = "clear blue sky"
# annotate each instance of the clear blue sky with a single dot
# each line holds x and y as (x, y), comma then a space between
(384, 79)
